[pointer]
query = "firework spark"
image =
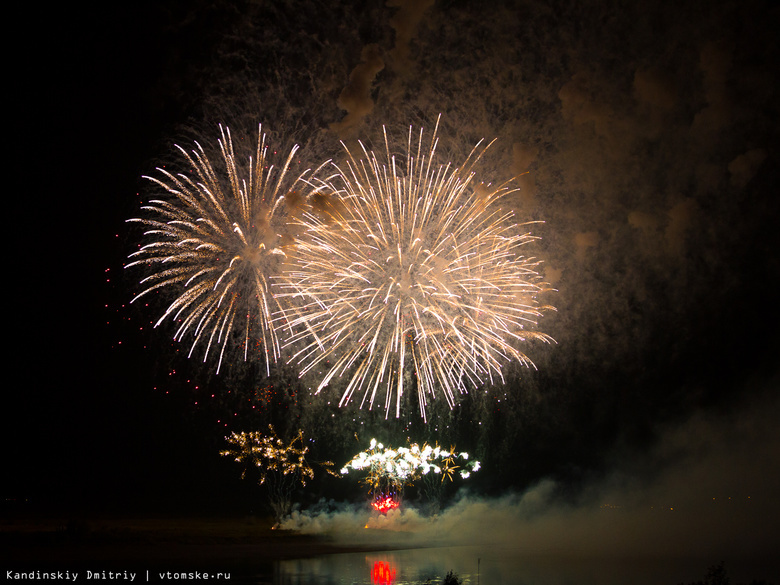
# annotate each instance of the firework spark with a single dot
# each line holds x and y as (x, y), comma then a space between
(270, 454)
(413, 276)
(215, 240)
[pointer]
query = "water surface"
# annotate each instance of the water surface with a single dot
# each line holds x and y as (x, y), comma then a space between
(502, 566)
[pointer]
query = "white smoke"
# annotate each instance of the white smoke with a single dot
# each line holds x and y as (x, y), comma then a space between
(702, 491)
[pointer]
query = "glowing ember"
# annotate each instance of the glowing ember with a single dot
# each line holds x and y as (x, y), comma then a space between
(384, 504)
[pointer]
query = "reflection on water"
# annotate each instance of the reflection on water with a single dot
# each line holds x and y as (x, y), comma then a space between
(495, 566)
(383, 573)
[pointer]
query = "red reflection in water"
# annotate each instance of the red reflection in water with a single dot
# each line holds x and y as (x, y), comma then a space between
(382, 573)
(384, 505)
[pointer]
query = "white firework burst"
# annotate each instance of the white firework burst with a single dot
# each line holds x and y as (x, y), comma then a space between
(214, 241)
(411, 276)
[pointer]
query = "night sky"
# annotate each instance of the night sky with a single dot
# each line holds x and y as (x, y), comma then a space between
(646, 138)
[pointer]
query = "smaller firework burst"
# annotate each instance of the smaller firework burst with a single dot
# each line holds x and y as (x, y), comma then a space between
(390, 470)
(281, 465)
(216, 235)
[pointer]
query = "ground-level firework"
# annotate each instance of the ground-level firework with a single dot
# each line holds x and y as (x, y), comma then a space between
(215, 237)
(413, 281)
(389, 470)
(281, 465)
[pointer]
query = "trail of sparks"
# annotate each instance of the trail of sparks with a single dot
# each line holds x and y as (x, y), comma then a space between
(215, 241)
(411, 276)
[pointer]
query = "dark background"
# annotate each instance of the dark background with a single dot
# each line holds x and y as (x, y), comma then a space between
(650, 135)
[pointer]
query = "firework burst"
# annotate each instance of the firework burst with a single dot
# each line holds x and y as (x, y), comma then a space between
(215, 240)
(412, 276)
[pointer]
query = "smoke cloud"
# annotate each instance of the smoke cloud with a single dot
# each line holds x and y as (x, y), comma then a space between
(702, 491)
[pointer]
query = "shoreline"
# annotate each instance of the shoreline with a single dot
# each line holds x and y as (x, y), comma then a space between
(162, 542)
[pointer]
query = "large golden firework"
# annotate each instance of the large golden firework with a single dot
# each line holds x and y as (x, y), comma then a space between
(412, 275)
